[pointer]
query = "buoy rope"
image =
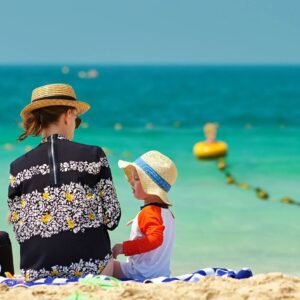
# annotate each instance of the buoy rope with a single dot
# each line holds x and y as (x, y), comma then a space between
(260, 193)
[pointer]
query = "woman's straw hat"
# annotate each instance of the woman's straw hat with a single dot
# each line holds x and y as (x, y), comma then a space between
(156, 171)
(53, 95)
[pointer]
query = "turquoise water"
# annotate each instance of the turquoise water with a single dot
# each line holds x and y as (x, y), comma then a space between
(220, 225)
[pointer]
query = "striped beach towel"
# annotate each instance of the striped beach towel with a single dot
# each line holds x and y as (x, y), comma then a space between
(192, 277)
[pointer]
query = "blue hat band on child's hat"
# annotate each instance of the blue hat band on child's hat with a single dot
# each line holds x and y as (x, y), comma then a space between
(153, 175)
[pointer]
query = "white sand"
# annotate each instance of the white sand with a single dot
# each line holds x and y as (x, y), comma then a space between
(264, 286)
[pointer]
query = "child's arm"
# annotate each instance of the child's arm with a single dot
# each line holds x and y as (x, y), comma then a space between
(116, 250)
(151, 225)
(129, 222)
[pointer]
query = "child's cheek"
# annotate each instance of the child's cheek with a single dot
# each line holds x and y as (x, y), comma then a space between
(138, 193)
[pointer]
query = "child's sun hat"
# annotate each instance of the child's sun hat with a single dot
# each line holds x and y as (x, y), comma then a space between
(156, 171)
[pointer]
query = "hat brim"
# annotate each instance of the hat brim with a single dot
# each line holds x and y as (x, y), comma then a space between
(80, 106)
(149, 186)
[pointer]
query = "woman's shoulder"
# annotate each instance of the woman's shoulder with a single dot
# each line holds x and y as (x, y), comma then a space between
(22, 160)
(68, 150)
(86, 148)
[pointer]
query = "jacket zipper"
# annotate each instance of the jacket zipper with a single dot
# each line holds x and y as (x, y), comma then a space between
(53, 160)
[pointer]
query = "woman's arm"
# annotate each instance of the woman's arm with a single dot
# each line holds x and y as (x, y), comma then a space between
(13, 191)
(109, 203)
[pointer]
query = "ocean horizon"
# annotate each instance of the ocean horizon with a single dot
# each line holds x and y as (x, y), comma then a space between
(141, 108)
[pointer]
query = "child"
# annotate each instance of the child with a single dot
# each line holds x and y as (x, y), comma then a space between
(152, 231)
(6, 257)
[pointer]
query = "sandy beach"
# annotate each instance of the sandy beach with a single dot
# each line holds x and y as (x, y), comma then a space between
(263, 286)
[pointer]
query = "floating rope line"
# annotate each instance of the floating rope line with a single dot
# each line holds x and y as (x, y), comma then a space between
(260, 193)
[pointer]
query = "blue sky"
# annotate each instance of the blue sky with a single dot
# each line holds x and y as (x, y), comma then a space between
(152, 31)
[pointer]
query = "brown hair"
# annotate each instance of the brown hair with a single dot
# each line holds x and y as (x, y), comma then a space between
(41, 118)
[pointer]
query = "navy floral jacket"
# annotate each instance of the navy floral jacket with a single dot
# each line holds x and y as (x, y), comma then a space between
(62, 203)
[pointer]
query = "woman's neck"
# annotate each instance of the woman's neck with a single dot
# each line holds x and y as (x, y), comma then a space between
(53, 130)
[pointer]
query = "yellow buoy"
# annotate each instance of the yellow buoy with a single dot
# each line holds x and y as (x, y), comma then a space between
(244, 185)
(149, 126)
(65, 70)
(82, 74)
(106, 151)
(204, 150)
(230, 179)
(84, 125)
(210, 148)
(177, 124)
(221, 164)
(261, 194)
(118, 126)
(287, 200)
(126, 154)
(8, 146)
(28, 148)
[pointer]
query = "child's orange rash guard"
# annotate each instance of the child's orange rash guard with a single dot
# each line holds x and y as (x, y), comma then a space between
(151, 243)
(150, 223)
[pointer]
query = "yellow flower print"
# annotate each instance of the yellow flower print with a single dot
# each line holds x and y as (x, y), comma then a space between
(46, 196)
(54, 272)
(71, 223)
(69, 197)
(23, 202)
(27, 277)
(14, 216)
(92, 217)
(11, 180)
(106, 220)
(102, 194)
(77, 273)
(46, 218)
(89, 196)
(100, 269)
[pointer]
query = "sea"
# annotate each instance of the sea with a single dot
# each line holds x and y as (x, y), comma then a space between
(137, 108)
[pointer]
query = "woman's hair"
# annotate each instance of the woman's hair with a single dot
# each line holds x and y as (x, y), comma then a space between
(41, 118)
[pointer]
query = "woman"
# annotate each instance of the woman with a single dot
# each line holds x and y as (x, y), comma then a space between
(61, 196)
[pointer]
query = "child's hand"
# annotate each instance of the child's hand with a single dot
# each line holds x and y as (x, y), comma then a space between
(129, 222)
(117, 249)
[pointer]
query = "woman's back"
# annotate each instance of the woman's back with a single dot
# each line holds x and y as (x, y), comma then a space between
(62, 201)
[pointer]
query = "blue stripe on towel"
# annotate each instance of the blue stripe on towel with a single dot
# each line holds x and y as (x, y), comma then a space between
(192, 277)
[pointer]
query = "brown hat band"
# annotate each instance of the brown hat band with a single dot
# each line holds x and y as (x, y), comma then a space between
(62, 97)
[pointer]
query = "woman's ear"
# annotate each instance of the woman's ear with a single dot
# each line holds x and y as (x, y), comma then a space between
(68, 116)
(65, 117)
